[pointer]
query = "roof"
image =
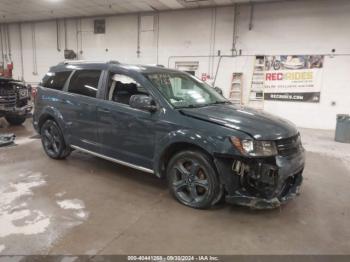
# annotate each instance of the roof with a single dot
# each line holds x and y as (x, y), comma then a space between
(110, 65)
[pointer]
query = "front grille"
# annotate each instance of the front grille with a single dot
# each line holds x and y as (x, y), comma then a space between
(288, 146)
(7, 97)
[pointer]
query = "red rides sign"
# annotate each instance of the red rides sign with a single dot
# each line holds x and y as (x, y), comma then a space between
(293, 78)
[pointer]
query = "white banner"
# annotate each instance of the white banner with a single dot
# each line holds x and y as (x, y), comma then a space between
(293, 78)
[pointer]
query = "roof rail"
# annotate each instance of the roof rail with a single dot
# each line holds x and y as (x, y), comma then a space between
(157, 65)
(69, 62)
(113, 62)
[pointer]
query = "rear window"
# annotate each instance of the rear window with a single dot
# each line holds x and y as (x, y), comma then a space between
(55, 80)
(85, 82)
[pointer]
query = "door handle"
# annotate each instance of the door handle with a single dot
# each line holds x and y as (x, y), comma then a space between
(103, 110)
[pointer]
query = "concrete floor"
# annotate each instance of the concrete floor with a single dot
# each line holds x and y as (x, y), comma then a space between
(85, 205)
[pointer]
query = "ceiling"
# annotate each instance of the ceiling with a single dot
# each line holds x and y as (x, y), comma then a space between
(29, 10)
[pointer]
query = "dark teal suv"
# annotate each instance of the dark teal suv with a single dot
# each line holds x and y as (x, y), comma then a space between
(171, 124)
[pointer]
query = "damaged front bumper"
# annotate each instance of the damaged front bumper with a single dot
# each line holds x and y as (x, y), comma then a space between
(24, 110)
(264, 203)
(262, 183)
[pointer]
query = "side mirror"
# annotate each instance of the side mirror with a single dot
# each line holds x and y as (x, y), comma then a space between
(218, 89)
(143, 102)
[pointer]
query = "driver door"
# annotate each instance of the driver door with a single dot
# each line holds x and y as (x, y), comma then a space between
(126, 134)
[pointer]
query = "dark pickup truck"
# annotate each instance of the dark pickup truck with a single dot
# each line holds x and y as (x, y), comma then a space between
(171, 124)
(14, 100)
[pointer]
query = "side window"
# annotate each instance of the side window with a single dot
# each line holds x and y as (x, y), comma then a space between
(55, 80)
(85, 82)
(122, 87)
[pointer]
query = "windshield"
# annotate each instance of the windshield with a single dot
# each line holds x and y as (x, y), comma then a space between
(183, 90)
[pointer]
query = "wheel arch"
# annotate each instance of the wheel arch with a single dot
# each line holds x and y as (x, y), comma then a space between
(175, 148)
(53, 114)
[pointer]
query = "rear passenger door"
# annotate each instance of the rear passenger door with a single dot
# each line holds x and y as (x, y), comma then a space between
(50, 92)
(79, 110)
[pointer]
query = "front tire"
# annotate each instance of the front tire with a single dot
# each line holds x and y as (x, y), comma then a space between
(193, 180)
(53, 141)
(15, 120)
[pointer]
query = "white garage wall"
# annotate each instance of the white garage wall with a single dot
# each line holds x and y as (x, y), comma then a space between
(312, 27)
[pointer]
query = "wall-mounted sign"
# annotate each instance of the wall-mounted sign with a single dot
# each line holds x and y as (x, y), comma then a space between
(293, 78)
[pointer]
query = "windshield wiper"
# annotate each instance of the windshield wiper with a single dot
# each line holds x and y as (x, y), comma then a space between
(203, 105)
(220, 102)
(192, 106)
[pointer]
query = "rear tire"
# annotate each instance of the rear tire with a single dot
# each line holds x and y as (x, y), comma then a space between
(53, 141)
(192, 179)
(15, 120)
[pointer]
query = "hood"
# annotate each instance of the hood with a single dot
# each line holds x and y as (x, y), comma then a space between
(260, 125)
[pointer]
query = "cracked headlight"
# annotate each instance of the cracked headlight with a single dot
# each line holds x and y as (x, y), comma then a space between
(254, 147)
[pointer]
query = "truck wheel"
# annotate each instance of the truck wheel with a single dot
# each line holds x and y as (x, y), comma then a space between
(15, 120)
(193, 180)
(53, 141)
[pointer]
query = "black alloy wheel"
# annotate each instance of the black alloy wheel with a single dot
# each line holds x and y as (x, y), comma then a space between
(53, 141)
(193, 180)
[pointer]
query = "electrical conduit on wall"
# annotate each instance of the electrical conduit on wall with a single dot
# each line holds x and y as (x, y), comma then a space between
(21, 50)
(35, 66)
(9, 43)
(2, 48)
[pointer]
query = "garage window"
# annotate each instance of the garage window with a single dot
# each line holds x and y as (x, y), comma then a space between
(55, 80)
(85, 82)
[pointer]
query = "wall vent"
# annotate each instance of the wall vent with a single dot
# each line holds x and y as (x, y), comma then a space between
(100, 26)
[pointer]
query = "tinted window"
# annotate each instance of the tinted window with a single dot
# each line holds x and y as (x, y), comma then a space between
(122, 87)
(85, 82)
(55, 80)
